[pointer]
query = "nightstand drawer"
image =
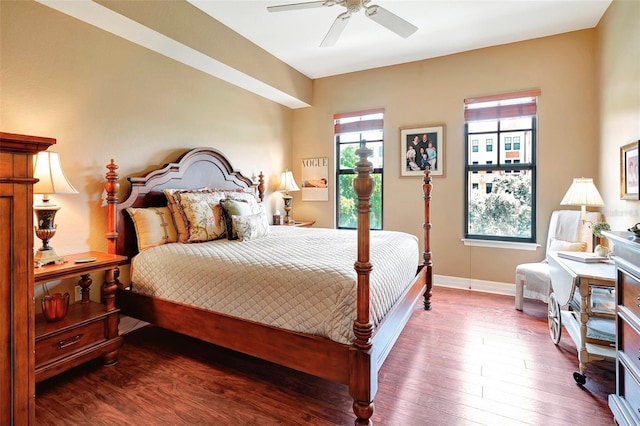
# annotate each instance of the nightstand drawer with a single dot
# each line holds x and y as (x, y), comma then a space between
(69, 341)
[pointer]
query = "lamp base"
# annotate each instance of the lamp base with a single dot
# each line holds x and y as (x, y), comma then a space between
(45, 257)
(287, 209)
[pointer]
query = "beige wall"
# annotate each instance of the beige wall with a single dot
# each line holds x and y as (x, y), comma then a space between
(432, 92)
(618, 60)
(103, 97)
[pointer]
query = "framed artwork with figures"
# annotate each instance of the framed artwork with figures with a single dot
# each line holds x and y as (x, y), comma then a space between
(629, 172)
(422, 147)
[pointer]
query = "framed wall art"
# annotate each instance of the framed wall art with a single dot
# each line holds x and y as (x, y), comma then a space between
(315, 183)
(629, 172)
(422, 147)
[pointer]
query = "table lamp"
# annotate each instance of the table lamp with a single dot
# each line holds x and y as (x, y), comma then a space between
(51, 180)
(287, 183)
(583, 193)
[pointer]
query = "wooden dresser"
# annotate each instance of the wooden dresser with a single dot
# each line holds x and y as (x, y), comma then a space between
(625, 403)
(17, 380)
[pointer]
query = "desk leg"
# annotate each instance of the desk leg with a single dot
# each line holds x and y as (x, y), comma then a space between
(583, 355)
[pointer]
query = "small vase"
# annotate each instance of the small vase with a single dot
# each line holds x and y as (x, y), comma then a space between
(601, 251)
(55, 307)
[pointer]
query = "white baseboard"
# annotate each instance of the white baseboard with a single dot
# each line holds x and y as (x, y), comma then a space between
(507, 289)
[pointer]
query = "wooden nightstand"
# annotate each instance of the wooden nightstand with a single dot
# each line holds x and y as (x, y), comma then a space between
(90, 329)
(307, 224)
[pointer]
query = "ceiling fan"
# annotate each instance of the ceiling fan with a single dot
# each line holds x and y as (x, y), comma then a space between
(378, 14)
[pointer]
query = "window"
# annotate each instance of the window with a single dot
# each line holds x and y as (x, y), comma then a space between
(516, 142)
(350, 129)
(507, 143)
(500, 183)
(474, 145)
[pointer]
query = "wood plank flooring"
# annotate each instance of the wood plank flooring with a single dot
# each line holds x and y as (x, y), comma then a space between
(472, 360)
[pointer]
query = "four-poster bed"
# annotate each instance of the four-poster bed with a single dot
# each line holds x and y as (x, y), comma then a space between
(355, 363)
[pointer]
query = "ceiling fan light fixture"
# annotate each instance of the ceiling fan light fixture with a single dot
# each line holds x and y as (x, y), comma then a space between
(374, 12)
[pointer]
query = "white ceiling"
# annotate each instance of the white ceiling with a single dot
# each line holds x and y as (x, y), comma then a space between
(444, 27)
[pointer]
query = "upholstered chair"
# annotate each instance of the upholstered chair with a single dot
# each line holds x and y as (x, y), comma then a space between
(567, 232)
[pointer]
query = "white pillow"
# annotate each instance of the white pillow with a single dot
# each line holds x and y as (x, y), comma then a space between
(560, 245)
(154, 226)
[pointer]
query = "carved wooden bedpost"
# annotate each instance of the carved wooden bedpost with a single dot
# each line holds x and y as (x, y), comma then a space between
(261, 186)
(112, 187)
(427, 186)
(363, 376)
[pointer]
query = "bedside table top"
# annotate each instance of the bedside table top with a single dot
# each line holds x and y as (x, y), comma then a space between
(71, 268)
(301, 224)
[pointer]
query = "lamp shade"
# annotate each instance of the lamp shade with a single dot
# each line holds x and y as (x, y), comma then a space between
(287, 182)
(48, 170)
(582, 192)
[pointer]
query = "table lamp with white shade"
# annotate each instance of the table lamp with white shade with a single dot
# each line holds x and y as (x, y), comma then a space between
(583, 193)
(287, 184)
(51, 180)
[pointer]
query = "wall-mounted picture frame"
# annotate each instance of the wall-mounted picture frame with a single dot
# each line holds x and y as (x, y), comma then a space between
(422, 147)
(629, 172)
(315, 183)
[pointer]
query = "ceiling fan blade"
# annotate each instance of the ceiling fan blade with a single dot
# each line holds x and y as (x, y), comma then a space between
(336, 29)
(298, 6)
(390, 21)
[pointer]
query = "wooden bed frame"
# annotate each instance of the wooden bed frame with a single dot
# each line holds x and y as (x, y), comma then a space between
(355, 365)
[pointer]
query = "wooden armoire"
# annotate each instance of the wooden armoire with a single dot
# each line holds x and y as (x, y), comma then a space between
(17, 316)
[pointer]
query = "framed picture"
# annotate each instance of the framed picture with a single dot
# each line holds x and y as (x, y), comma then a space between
(422, 147)
(629, 171)
(315, 183)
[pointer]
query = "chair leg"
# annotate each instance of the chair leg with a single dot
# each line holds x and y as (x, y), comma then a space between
(519, 293)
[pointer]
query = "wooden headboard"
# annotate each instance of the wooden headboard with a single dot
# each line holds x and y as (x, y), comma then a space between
(197, 168)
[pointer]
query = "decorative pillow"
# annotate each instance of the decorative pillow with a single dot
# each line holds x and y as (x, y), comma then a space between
(244, 196)
(178, 216)
(251, 227)
(232, 208)
(202, 214)
(560, 245)
(154, 226)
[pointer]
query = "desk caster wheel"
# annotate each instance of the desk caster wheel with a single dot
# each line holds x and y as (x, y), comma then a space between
(580, 378)
(554, 318)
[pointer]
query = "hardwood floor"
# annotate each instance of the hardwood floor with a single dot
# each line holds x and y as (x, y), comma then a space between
(472, 360)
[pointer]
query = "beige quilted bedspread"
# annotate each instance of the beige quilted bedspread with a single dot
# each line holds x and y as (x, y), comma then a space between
(299, 279)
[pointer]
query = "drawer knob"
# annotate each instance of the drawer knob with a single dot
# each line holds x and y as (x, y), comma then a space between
(64, 344)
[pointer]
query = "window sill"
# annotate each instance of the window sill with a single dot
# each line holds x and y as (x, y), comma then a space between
(500, 244)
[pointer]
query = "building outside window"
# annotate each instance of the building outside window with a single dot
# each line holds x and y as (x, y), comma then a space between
(500, 183)
(350, 130)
